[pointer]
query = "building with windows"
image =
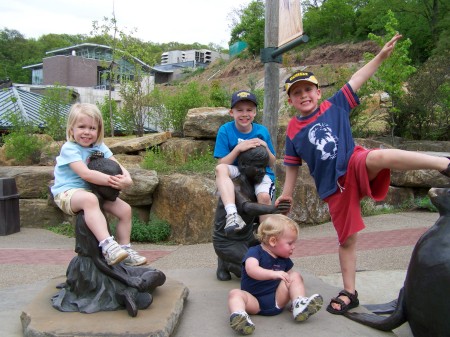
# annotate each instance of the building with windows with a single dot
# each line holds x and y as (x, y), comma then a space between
(200, 57)
(85, 65)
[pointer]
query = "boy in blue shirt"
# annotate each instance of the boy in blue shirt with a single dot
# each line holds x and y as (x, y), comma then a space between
(343, 173)
(233, 138)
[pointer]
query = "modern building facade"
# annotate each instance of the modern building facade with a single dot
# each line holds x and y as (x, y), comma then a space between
(85, 65)
(200, 57)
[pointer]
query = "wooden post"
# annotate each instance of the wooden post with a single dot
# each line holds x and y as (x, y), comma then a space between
(271, 72)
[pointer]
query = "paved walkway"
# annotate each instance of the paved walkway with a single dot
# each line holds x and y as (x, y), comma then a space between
(31, 257)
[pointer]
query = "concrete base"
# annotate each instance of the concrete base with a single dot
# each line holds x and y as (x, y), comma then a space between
(40, 318)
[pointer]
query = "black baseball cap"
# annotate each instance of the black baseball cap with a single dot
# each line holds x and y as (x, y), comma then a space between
(243, 95)
(298, 76)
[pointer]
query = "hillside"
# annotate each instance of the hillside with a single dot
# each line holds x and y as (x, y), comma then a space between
(239, 73)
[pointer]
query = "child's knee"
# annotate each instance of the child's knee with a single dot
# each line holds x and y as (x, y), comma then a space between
(222, 170)
(264, 198)
(296, 277)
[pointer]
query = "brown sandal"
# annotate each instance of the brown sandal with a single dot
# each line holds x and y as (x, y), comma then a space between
(354, 302)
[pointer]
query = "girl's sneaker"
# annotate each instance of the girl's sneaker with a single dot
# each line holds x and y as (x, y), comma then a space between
(241, 322)
(134, 259)
(113, 253)
(303, 307)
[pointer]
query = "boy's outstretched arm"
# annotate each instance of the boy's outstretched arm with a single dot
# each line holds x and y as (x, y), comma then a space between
(366, 72)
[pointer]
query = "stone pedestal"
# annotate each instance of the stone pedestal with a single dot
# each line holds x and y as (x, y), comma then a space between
(39, 318)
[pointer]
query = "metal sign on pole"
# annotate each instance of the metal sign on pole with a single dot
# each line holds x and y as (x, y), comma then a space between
(292, 34)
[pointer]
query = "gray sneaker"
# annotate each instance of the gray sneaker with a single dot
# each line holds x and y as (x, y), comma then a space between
(134, 259)
(234, 223)
(241, 322)
(113, 253)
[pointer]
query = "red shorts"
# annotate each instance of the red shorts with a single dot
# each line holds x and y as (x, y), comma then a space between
(344, 205)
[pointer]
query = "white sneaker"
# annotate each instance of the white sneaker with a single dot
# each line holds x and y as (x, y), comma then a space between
(113, 253)
(303, 307)
(134, 259)
(241, 322)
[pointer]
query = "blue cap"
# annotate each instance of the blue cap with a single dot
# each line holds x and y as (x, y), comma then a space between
(243, 95)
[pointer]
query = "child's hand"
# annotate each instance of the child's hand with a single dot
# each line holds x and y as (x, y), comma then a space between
(281, 275)
(250, 144)
(389, 46)
(284, 204)
(120, 181)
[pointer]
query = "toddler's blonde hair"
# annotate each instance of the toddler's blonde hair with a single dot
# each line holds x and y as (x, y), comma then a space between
(275, 225)
(87, 109)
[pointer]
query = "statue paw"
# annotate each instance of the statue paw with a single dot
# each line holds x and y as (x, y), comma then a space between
(126, 299)
(223, 275)
(137, 282)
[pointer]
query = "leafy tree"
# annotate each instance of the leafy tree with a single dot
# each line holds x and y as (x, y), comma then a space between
(52, 110)
(135, 104)
(423, 21)
(333, 21)
(193, 95)
(157, 109)
(394, 71)
(250, 27)
(425, 109)
(15, 52)
(104, 107)
(109, 25)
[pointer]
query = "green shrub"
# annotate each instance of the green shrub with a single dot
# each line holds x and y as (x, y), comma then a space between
(23, 147)
(424, 203)
(154, 231)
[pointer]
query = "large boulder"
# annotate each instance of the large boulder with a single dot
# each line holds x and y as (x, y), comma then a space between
(181, 149)
(205, 122)
(31, 181)
(141, 192)
(139, 143)
(308, 208)
(188, 203)
(36, 213)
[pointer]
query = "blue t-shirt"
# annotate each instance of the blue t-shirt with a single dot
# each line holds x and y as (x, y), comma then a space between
(263, 287)
(229, 136)
(65, 177)
(324, 140)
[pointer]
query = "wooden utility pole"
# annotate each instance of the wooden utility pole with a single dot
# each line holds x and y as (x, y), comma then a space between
(271, 57)
(271, 71)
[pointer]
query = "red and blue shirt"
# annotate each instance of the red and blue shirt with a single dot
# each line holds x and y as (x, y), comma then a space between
(323, 140)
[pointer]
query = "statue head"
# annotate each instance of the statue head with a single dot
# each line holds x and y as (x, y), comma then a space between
(99, 163)
(252, 164)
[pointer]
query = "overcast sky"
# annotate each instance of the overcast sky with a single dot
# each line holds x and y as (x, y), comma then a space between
(185, 21)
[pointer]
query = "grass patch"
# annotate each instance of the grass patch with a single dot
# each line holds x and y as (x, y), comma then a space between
(200, 163)
(65, 228)
(369, 207)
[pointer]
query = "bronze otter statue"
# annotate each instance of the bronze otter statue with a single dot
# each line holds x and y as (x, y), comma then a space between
(424, 300)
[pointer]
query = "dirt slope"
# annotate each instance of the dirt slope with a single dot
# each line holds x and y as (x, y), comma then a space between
(241, 73)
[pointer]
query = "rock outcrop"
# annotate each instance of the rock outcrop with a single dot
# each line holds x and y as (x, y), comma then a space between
(188, 202)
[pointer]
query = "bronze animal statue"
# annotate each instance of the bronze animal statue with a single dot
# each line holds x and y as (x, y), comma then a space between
(424, 300)
(92, 285)
(231, 248)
